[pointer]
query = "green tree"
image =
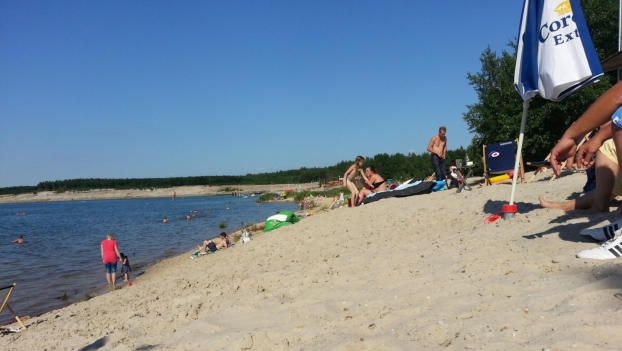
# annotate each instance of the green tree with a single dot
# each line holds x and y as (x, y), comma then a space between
(496, 116)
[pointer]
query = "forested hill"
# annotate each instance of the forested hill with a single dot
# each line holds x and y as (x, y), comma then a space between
(397, 166)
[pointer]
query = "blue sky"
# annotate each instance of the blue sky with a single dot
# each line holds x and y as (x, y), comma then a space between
(180, 88)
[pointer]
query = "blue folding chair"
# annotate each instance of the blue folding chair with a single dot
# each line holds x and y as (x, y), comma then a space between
(499, 159)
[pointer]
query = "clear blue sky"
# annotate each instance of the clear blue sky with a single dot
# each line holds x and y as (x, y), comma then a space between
(179, 88)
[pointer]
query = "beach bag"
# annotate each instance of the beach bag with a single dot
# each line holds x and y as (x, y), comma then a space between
(246, 237)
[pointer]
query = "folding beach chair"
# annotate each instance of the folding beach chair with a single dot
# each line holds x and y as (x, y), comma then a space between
(499, 159)
(5, 303)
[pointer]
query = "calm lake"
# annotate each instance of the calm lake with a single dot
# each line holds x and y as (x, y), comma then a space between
(60, 261)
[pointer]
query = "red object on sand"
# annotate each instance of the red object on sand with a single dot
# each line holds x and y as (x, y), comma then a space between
(129, 283)
(509, 209)
(492, 218)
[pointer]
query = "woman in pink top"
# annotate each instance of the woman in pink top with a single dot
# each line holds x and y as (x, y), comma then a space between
(110, 252)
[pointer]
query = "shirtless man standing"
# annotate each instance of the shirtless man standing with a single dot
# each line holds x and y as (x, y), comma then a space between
(438, 148)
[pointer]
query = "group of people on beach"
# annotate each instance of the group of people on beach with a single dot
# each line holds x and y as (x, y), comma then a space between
(603, 151)
(109, 253)
(368, 180)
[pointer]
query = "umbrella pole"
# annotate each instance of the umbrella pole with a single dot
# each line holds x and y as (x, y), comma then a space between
(511, 209)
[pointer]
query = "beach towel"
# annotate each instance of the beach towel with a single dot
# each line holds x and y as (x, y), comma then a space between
(404, 190)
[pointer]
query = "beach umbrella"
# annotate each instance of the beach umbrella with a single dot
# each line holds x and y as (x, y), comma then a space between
(555, 57)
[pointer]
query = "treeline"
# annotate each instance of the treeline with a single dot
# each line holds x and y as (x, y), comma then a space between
(496, 115)
(396, 166)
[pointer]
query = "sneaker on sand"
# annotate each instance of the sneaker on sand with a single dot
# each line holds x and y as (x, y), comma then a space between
(608, 250)
(602, 234)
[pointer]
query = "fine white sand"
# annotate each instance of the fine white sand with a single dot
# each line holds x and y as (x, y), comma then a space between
(418, 273)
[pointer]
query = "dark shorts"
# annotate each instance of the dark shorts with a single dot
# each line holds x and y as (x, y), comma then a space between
(212, 247)
(111, 267)
(126, 269)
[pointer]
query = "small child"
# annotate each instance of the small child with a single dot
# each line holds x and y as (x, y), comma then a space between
(126, 268)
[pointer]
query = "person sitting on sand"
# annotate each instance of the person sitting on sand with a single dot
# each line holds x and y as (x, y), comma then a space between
(373, 183)
(213, 247)
(605, 109)
(455, 176)
(351, 173)
(19, 240)
(608, 185)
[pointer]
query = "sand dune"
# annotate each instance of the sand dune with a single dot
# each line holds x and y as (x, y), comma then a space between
(418, 273)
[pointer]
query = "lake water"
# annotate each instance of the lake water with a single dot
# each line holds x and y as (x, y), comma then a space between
(60, 261)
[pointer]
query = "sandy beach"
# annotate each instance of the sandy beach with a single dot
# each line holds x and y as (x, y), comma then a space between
(181, 191)
(417, 273)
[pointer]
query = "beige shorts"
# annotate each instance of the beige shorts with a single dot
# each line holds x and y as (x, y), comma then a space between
(608, 149)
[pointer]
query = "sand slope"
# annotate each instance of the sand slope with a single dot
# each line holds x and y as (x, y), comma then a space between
(419, 273)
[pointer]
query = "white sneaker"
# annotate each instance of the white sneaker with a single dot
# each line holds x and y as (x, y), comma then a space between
(608, 250)
(605, 233)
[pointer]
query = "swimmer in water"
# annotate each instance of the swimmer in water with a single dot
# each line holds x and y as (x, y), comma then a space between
(165, 220)
(19, 240)
(188, 217)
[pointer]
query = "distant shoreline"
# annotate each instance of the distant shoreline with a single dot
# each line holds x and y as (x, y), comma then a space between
(181, 191)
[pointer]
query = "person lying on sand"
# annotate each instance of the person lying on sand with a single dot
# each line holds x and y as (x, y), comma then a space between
(209, 244)
(601, 112)
(373, 183)
(608, 185)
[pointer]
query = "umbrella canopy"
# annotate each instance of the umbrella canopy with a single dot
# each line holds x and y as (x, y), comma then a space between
(555, 54)
(555, 57)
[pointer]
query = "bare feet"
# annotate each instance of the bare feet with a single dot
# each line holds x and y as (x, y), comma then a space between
(565, 206)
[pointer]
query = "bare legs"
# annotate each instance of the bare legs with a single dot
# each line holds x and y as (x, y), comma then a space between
(597, 200)
(583, 203)
(112, 280)
(204, 247)
(362, 194)
(353, 191)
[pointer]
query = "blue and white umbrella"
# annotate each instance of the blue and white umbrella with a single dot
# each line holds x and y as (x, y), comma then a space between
(555, 56)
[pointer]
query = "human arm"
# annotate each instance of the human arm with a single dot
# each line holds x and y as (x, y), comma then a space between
(116, 249)
(589, 148)
(101, 248)
(598, 114)
(444, 150)
(367, 181)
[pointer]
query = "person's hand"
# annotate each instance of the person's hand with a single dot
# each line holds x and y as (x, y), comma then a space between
(585, 155)
(565, 148)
